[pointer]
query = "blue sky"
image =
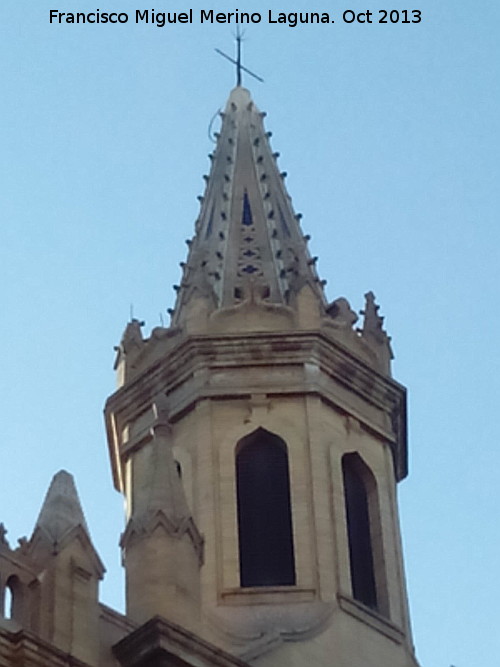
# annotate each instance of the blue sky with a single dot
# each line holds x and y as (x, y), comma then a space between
(390, 137)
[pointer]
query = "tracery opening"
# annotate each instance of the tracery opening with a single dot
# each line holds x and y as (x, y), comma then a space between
(364, 534)
(264, 511)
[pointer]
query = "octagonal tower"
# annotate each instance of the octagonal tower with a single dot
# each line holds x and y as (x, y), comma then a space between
(259, 438)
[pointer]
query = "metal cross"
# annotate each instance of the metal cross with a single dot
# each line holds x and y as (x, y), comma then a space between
(237, 62)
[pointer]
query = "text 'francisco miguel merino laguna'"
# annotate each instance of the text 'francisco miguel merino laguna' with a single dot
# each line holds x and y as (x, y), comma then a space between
(161, 19)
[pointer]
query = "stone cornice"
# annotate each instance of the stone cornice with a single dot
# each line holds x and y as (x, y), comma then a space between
(371, 618)
(161, 642)
(218, 366)
(23, 648)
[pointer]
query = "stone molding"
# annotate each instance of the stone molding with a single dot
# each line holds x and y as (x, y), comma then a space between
(144, 526)
(161, 643)
(371, 618)
(20, 647)
(219, 366)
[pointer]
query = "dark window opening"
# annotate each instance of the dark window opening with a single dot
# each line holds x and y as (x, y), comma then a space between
(249, 268)
(359, 532)
(246, 218)
(264, 511)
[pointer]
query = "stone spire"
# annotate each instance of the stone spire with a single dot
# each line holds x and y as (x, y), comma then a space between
(248, 238)
(69, 570)
(165, 492)
(163, 501)
(61, 510)
(162, 546)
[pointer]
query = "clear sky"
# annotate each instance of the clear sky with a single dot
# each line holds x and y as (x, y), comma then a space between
(390, 136)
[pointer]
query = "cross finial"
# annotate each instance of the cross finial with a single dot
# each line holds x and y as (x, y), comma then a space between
(238, 57)
(237, 61)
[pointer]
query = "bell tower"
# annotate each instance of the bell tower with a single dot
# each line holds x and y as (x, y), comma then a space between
(258, 439)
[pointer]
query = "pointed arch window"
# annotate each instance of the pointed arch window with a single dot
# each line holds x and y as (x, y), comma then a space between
(12, 598)
(364, 534)
(7, 602)
(264, 511)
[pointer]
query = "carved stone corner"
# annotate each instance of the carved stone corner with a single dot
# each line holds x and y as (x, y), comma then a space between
(352, 425)
(163, 644)
(24, 546)
(258, 407)
(341, 314)
(176, 528)
(253, 630)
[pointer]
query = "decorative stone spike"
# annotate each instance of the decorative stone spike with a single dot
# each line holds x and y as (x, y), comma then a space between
(132, 340)
(3, 532)
(374, 333)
